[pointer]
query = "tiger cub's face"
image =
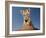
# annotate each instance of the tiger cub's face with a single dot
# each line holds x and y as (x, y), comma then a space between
(27, 20)
(26, 15)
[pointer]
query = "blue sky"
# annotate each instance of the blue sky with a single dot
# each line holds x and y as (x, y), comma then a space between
(17, 18)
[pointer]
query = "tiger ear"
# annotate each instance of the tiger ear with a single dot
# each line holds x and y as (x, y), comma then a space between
(21, 11)
(30, 11)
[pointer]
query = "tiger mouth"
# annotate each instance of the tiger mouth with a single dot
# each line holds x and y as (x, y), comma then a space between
(26, 20)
